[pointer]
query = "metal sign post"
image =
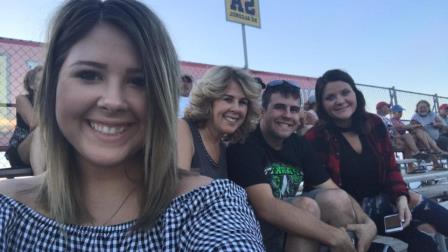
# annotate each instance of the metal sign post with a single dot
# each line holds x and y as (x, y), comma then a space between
(244, 12)
(246, 63)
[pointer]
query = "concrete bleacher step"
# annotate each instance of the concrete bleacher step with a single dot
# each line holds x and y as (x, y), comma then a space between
(430, 175)
(433, 191)
(444, 204)
(397, 245)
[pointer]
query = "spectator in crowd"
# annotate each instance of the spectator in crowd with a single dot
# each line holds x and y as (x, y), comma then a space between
(430, 122)
(355, 148)
(272, 163)
(186, 84)
(443, 114)
(383, 111)
(223, 107)
(19, 149)
(383, 108)
(260, 81)
(401, 141)
(405, 140)
(308, 116)
(311, 117)
(109, 98)
(427, 144)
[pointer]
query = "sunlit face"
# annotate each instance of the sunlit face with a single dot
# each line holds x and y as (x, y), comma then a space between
(281, 118)
(384, 110)
(423, 108)
(185, 88)
(101, 105)
(339, 101)
(230, 110)
(397, 115)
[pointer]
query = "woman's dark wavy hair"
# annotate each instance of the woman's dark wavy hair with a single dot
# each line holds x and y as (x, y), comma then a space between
(360, 114)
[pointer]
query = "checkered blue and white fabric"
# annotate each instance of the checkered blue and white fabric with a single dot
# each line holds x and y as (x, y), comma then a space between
(216, 217)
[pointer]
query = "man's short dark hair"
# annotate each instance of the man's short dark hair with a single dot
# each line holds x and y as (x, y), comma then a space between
(284, 87)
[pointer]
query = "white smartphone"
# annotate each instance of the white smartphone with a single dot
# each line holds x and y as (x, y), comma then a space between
(392, 223)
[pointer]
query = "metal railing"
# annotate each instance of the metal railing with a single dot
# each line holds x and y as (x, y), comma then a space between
(405, 98)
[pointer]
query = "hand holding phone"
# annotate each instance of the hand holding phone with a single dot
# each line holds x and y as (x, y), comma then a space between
(392, 223)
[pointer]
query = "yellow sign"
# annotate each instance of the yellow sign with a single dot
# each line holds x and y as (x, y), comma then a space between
(244, 12)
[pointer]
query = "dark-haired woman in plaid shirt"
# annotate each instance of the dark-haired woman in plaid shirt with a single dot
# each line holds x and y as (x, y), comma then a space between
(355, 148)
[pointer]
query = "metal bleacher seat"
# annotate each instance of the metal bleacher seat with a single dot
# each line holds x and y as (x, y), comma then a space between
(434, 185)
(13, 172)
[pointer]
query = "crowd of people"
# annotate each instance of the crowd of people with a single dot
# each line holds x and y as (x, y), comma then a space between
(141, 158)
(424, 137)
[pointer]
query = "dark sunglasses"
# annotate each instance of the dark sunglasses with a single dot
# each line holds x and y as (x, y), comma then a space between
(276, 83)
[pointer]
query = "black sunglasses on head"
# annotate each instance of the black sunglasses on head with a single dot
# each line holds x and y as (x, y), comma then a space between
(276, 83)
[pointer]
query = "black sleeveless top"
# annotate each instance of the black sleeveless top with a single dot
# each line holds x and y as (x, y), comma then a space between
(359, 171)
(202, 161)
(19, 120)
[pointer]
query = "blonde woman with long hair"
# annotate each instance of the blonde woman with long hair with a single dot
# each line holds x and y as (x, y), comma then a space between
(223, 108)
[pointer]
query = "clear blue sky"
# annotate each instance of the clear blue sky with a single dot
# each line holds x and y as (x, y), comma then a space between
(401, 43)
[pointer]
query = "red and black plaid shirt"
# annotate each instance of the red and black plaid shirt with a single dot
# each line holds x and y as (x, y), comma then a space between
(328, 147)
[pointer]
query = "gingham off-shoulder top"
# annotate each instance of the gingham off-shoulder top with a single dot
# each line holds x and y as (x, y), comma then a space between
(215, 217)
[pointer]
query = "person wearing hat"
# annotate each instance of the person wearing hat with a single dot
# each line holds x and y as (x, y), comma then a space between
(383, 111)
(383, 106)
(401, 141)
(410, 149)
(420, 135)
(431, 124)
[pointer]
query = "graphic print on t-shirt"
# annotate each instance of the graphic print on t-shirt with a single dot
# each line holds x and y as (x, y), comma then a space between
(284, 179)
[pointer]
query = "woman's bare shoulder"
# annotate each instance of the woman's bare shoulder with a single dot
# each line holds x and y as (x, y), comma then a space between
(24, 190)
(188, 183)
(182, 126)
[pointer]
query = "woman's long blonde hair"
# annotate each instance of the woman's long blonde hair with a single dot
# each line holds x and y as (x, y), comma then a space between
(60, 193)
(212, 86)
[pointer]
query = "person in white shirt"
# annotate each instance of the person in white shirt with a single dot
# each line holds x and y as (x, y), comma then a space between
(185, 87)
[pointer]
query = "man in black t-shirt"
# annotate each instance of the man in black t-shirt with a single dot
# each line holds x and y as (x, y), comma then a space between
(272, 163)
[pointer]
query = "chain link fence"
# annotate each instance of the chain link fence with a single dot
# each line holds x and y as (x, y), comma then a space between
(17, 57)
(407, 99)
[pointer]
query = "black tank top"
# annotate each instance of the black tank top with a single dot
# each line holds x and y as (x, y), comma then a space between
(19, 120)
(202, 161)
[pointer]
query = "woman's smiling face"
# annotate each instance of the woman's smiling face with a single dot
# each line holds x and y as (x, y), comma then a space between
(339, 101)
(101, 105)
(422, 108)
